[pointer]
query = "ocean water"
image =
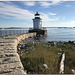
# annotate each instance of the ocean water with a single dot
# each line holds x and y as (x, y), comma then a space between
(53, 34)
(57, 34)
(60, 34)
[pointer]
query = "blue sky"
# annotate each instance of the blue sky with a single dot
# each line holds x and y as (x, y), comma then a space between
(53, 13)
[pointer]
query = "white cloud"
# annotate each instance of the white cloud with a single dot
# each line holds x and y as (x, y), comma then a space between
(47, 3)
(44, 4)
(52, 13)
(30, 3)
(68, 6)
(10, 11)
(67, 24)
(59, 24)
(15, 12)
(72, 22)
(47, 18)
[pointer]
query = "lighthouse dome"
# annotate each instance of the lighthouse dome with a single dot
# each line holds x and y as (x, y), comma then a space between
(37, 14)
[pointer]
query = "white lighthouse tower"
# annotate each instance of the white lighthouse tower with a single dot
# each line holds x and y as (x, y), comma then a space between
(37, 22)
(37, 26)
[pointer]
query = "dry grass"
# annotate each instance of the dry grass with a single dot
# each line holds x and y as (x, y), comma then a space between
(40, 54)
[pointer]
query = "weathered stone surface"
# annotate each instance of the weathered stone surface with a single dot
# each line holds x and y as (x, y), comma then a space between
(2, 55)
(8, 51)
(7, 48)
(7, 44)
(2, 40)
(11, 67)
(9, 59)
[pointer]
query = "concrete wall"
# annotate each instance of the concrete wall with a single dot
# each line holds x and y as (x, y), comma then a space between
(9, 59)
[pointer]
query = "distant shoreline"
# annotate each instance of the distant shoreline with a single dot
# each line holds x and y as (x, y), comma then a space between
(31, 27)
(13, 28)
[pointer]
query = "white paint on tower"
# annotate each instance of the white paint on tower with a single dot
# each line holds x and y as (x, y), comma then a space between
(37, 21)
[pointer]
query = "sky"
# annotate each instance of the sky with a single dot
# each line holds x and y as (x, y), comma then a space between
(53, 13)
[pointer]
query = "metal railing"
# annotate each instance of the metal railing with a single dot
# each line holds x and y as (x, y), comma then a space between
(12, 32)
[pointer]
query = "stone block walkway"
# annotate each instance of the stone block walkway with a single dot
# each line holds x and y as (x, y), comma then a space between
(9, 59)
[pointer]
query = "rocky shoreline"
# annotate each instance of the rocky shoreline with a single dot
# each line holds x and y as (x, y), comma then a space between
(22, 45)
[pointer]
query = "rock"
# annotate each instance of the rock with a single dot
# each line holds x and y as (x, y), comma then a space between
(45, 66)
(59, 53)
(73, 71)
(70, 42)
(27, 52)
(33, 42)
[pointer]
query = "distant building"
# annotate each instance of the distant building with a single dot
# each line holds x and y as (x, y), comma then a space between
(37, 22)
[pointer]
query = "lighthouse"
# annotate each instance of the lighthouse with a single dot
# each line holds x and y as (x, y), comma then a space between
(37, 22)
(37, 26)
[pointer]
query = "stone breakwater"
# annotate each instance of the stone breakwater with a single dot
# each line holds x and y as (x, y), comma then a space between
(10, 62)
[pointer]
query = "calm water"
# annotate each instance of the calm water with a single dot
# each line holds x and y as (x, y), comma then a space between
(57, 34)
(53, 34)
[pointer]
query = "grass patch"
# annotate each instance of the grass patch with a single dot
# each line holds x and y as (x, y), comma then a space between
(40, 53)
